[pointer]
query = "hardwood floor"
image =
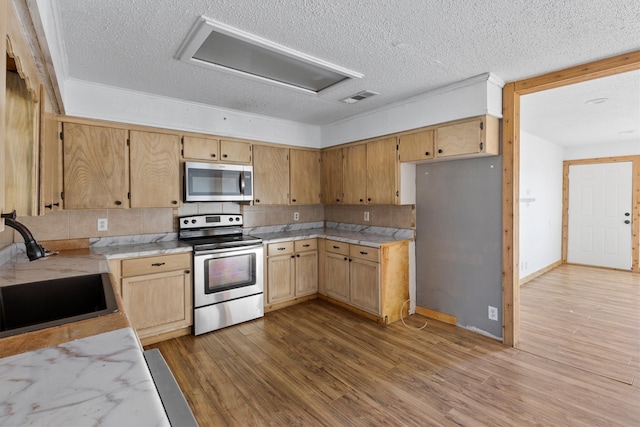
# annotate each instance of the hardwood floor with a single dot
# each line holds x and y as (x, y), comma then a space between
(586, 317)
(317, 364)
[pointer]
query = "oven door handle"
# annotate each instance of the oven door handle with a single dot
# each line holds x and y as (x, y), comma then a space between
(242, 182)
(227, 250)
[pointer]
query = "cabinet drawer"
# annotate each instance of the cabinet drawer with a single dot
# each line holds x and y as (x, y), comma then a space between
(281, 248)
(364, 252)
(306, 245)
(337, 247)
(155, 264)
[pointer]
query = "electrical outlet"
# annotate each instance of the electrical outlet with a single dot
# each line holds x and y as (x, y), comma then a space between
(493, 313)
(296, 216)
(366, 216)
(102, 224)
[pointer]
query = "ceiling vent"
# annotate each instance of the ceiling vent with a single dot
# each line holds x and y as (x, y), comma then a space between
(219, 46)
(359, 97)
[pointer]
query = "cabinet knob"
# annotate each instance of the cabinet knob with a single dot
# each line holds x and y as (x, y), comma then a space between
(345, 258)
(350, 260)
(293, 256)
(481, 146)
(298, 255)
(213, 155)
(187, 272)
(440, 151)
(369, 199)
(361, 200)
(118, 202)
(174, 202)
(224, 156)
(257, 200)
(293, 200)
(426, 153)
(337, 200)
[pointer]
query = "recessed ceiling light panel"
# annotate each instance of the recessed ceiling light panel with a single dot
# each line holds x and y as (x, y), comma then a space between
(216, 45)
(359, 96)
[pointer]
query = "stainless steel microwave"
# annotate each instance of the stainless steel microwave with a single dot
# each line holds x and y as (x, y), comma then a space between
(214, 182)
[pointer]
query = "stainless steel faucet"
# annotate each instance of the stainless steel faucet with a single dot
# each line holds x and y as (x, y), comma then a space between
(34, 250)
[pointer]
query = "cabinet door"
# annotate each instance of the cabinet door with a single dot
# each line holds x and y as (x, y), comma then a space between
(50, 187)
(158, 303)
(331, 176)
(354, 185)
(155, 170)
(306, 273)
(382, 172)
(365, 285)
(200, 148)
(280, 278)
(270, 175)
(461, 138)
(337, 276)
(235, 151)
(95, 167)
(305, 177)
(416, 146)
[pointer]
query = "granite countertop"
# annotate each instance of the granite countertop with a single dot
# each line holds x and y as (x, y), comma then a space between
(369, 236)
(99, 380)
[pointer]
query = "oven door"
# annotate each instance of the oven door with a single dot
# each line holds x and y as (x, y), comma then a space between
(226, 274)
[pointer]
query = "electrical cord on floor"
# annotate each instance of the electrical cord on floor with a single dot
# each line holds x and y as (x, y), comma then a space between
(402, 318)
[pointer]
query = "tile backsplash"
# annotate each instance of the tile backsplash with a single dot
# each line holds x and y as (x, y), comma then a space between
(74, 224)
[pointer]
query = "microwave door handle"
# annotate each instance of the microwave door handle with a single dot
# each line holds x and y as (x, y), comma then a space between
(242, 182)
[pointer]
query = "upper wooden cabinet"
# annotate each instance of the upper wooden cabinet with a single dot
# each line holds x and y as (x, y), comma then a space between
(270, 175)
(50, 155)
(95, 167)
(477, 136)
(235, 151)
(155, 170)
(304, 177)
(416, 146)
(210, 149)
(382, 171)
(331, 176)
(355, 175)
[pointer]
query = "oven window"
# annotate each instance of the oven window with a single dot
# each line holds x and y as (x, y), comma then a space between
(229, 272)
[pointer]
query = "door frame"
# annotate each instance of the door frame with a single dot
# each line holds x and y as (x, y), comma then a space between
(635, 202)
(511, 172)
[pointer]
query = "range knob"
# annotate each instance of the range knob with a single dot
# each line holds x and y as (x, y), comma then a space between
(186, 221)
(238, 218)
(230, 219)
(193, 221)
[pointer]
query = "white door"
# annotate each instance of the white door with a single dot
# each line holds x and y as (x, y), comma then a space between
(600, 215)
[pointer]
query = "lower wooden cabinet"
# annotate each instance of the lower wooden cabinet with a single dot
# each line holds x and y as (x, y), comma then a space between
(157, 295)
(292, 271)
(371, 280)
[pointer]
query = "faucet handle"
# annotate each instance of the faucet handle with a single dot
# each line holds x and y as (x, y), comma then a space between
(11, 215)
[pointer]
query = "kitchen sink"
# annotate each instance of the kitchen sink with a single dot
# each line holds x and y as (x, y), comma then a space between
(38, 305)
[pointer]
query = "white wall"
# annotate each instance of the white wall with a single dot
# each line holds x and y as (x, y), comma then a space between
(630, 148)
(540, 220)
(468, 98)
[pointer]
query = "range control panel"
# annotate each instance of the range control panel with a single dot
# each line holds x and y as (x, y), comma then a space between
(210, 221)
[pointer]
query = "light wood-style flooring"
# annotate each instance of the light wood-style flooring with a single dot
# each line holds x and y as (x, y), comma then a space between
(315, 364)
(586, 317)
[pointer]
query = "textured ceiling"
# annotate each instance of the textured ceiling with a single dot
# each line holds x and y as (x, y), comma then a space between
(403, 48)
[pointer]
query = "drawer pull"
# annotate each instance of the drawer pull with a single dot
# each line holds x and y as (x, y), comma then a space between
(364, 253)
(336, 247)
(187, 272)
(281, 249)
(305, 246)
(157, 264)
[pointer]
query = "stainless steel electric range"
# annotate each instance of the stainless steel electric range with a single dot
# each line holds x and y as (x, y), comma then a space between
(228, 280)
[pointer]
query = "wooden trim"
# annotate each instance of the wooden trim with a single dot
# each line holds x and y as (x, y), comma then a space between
(635, 203)
(288, 303)
(511, 158)
(432, 314)
(540, 272)
(378, 319)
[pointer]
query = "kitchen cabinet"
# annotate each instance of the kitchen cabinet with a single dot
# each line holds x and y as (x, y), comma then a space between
(157, 295)
(292, 271)
(416, 146)
(50, 156)
(155, 170)
(372, 281)
(331, 176)
(95, 167)
(210, 149)
(270, 175)
(472, 137)
(3, 102)
(382, 171)
(304, 177)
(355, 175)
